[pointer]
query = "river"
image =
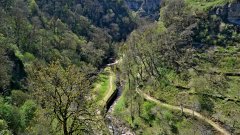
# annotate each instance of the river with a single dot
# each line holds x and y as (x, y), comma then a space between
(115, 125)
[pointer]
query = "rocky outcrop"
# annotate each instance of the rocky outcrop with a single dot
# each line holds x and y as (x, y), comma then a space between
(234, 13)
(230, 12)
(145, 8)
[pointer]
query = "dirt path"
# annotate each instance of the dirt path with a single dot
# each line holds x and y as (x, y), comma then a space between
(216, 126)
(111, 83)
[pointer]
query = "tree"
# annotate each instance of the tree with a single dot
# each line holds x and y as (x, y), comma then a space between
(19, 97)
(6, 4)
(6, 66)
(3, 128)
(27, 112)
(11, 115)
(64, 92)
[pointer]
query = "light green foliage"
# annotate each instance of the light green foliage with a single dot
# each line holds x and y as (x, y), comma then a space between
(11, 115)
(105, 85)
(205, 5)
(4, 128)
(102, 84)
(16, 119)
(27, 111)
(147, 111)
(5, 132)
(120, 105)
(32, 5)
(3, 125)
(28, 57)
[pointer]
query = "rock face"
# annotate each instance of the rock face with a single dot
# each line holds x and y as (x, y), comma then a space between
(234, 13)
(145, 8)
(229, 12)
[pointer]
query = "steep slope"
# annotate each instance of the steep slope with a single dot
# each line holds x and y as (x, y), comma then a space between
(80, 32)
(189, 58)
(188, 111)
(35, 34)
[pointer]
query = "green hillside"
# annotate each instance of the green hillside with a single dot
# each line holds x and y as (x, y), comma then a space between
(76, 67)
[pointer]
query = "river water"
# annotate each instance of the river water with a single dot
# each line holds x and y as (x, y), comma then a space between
(115, 125)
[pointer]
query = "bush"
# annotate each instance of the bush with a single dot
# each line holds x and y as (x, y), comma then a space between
(28, 57)
(18, 97)
(3, 125)
(5, 132)
(11, 115)
(147, 114)
(27, 111)
(4, 128)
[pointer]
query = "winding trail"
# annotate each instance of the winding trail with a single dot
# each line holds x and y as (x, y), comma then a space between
(215, 125)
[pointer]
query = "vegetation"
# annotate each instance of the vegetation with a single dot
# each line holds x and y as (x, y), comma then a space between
(65, 93)
(205, 5)
(105, 86)
(34, 34)
(55, 66)
(189, 61)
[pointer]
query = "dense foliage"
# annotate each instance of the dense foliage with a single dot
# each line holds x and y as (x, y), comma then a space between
(36, 33)
(70, 31)
(52, 55)
(189, 58)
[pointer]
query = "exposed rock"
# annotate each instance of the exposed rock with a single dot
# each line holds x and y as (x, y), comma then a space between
(234, 13)
(230, 12)
(145, 8)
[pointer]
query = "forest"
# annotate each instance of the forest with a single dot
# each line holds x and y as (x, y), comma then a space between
(117, 67)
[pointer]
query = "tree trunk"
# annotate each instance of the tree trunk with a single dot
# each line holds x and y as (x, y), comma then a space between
(65, 130)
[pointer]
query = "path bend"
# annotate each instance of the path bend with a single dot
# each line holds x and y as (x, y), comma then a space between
(215, 125)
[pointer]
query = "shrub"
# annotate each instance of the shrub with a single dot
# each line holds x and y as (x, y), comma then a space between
(11, 115)
(27, 111)
(18, 97)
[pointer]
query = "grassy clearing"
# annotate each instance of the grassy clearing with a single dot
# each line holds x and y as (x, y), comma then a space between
(204, 5)
(104, 86)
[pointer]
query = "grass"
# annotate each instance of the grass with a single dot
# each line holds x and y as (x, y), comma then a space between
(152, 116)
(102, 86)
(223, 111)
(121, 108)
(205, 5)
(121, 103)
